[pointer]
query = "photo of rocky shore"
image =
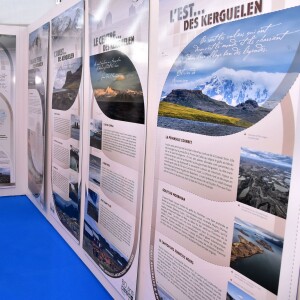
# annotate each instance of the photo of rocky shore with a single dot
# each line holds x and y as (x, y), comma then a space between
(256, 253)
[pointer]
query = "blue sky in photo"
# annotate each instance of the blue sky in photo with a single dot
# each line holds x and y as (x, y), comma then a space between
(283, 26)
(237, 294)
(277, 159)
(238, 223)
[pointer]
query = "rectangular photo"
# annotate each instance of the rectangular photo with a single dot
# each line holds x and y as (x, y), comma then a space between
(264, 181)
(74, 158)
(95, 133)
(100, 249)
(75, 127)
(235, 293)
(93, 205)
(256, 253)
(4, 175)
(94, 169)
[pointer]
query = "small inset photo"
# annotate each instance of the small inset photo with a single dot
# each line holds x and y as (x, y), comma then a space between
(235, 293)
(264, 181)
(94, 169)
(74, 158)
(95, 133)
(256, 253)
(74, 190)
(93, 205)
(75, 127)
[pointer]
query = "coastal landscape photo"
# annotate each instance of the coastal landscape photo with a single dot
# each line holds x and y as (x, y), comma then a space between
(94, 169)
(221, 84)
(75, 127)
(104, 254)
(117, 87)
(68, 211)
(96, 133)
(235, 293)
(256, 253)
(66, 84)
(264, 181)
(4, 175)
(74, 158)
(93, 205)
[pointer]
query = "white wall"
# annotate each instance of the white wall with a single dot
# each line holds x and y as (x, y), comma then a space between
(23, 12)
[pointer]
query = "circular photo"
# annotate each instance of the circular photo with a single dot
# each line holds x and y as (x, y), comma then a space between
(117, 87)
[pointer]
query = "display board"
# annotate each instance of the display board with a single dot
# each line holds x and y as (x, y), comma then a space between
(67, 101)
(7, 109)
(219, 189)
(118, 47)
(37, 104)
(227, 111)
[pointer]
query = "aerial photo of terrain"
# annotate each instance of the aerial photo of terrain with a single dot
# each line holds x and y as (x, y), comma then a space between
(264, 181)
(256, 253)
(235, 293)
(66, 84)
(117, 88)
(105, 255)
(96, 133)
(203, 96)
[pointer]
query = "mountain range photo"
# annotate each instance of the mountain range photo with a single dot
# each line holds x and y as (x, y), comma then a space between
(217, 89)
(117, 87)
(66, 85)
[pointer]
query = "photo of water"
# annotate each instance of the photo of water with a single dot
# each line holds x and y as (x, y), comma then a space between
(256, 253)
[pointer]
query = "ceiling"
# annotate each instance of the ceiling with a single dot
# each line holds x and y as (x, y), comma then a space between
(23, 12)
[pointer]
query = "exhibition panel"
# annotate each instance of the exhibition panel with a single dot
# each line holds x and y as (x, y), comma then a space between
(205, 205)
(227, 95)
(118, 63)
(7, 108)
(37, 106)
(67, 101)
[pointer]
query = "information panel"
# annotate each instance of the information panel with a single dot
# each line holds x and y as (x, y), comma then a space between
(67, 37)
(229, 86)
(7, 108)
(37, 104)
(118, 102)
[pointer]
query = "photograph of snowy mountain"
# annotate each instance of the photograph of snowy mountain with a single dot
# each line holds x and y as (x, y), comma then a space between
(232, 75)
(66, 84)
(117, 87)
(69, 23)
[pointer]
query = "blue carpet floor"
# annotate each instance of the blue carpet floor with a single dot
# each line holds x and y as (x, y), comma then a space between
(35, 262)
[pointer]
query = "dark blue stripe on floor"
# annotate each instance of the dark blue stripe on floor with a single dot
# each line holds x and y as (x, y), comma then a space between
(35, 262)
